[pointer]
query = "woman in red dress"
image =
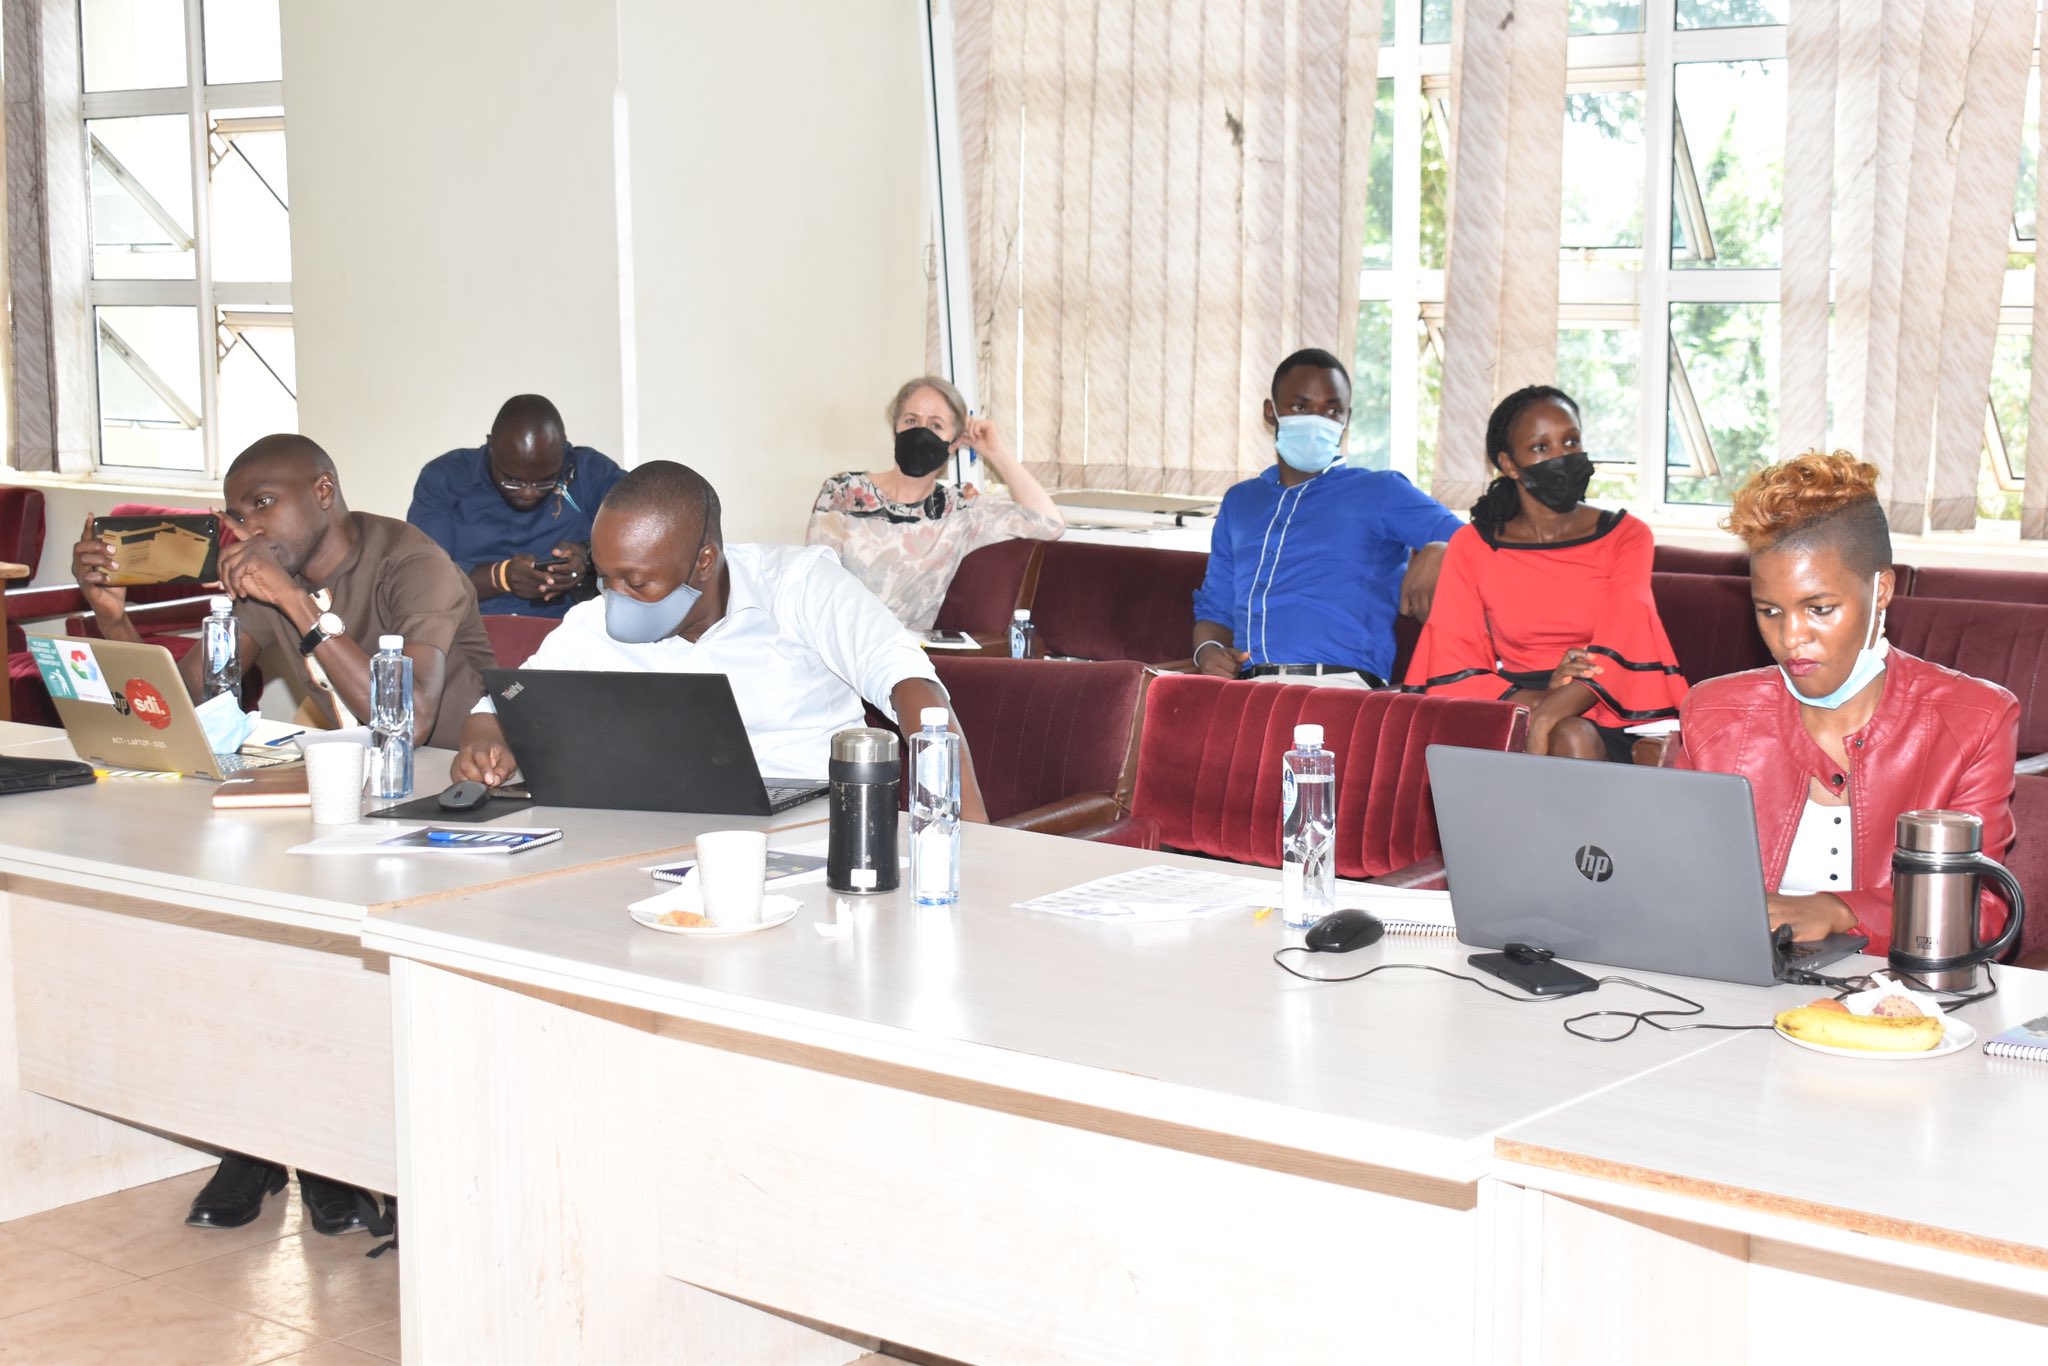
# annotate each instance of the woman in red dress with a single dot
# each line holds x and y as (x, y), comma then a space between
(1545, 600)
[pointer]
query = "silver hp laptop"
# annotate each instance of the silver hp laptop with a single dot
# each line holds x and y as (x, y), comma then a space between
(125, 705)
(1649, 868)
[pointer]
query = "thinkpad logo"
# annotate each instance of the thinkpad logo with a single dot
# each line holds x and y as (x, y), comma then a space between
(1593, 863)
(513, 691)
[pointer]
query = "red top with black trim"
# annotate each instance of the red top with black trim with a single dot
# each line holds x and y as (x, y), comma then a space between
(1504, 609)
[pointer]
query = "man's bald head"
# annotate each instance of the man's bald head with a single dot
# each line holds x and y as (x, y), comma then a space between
(664, 494)
(285, 454)
(528, 413)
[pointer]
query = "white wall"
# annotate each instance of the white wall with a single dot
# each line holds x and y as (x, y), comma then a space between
(453, 233)
(779, 223)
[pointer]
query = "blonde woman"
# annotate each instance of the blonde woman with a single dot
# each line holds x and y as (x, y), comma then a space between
(902, 532)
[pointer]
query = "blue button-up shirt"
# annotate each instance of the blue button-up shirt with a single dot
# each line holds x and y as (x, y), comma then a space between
(456, 501)
(1312, 574)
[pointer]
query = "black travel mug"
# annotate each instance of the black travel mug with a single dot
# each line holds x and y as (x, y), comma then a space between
(867, 774)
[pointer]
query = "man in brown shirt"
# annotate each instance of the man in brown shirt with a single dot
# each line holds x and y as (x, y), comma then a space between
(321, 583)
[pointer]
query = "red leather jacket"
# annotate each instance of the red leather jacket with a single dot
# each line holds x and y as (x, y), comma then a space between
(1939, 739)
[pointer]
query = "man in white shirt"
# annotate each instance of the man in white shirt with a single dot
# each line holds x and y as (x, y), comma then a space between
(801, 639)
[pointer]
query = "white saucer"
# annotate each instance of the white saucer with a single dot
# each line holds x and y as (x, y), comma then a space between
(1955, 1037)
(774, 916)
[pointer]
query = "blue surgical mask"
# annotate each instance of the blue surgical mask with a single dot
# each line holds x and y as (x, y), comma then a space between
(1870, 662)
(1309, 442)
(630, 621)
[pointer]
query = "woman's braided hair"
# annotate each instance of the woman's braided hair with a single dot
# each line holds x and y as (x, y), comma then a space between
(1503, 498)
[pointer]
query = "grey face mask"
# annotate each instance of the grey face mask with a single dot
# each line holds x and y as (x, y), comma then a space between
(630, 621)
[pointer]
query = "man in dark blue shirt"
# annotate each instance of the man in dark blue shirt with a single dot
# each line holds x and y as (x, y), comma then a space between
(1311, 561)
(514, 513)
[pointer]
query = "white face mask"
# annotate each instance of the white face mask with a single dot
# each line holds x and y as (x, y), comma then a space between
(1870, 662)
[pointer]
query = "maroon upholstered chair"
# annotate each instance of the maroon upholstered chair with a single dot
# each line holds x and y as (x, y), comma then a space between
(1117, 601)
(1209, 769)
(1054, 741)
(21, 543)
(1978, 585)
(2028, 860)
(515, 638)
(1685, 559)
(990, 584)
(1711, 623)
(2002, 642)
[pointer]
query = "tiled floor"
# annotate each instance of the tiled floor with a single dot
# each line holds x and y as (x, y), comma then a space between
(121, 1279)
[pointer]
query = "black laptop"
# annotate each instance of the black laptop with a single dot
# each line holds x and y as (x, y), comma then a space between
(636, 742)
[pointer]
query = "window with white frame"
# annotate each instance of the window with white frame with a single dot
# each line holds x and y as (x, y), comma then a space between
(1673, 176)
(184, 134)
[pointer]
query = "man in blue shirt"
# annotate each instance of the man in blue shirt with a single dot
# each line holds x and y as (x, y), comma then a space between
(514, 513)
(1311, 561)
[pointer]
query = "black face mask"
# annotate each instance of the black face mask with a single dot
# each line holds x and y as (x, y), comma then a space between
(1559, 483)
(921, 451)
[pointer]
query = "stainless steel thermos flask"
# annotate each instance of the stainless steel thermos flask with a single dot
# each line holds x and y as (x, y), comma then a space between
(1935, 869)
(867, 777)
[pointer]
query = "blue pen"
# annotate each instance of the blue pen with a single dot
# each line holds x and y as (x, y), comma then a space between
(272, 744)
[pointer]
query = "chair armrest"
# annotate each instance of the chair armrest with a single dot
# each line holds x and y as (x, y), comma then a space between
(1066, 815)
(1174, 666)
(151, 619)
(41, 604)
(1424, 873)
(1133, 832)
(2037, 764)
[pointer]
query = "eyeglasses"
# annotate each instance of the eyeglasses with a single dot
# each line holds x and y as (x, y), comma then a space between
(532, 485)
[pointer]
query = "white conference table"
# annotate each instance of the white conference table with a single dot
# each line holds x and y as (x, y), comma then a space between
(989, 1133)
(172, 967)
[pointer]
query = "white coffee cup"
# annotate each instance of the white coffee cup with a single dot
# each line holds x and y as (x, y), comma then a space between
(335, 772)
(732, 866)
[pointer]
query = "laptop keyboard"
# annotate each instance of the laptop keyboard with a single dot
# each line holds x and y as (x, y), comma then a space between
(239, 763)
(783, 798)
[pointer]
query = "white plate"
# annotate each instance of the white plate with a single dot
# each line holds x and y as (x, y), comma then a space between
(652, 920)
(1955, 1037)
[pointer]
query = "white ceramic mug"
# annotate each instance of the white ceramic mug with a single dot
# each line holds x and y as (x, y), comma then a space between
(337, 766)
(732, 866)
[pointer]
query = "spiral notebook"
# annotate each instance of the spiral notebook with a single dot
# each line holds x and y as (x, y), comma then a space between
(2028, 1041)
(1407, 911)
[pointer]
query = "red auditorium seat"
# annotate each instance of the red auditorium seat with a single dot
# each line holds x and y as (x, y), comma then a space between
(2028, 860)
(1117, 601)
(989, 585)
(515, 638)
(1979, 585)
(1711, 623)
(1685, 559)
(1209, 770)
(1054, 741)
(2005, 643)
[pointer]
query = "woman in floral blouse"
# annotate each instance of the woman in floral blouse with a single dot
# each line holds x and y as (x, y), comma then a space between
(902, 532)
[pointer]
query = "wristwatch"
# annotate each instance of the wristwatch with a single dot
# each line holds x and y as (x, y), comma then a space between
(326, 627)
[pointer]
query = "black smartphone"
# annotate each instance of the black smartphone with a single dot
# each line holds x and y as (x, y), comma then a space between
(162, 548)
(1537, 976)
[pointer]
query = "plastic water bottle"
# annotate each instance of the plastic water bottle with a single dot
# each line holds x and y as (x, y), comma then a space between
(1308, 821)
(391, 719)
(1023, 635)
(222, 650)
(934, 811)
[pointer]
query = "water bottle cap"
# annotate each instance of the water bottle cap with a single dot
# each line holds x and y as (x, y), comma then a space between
(221, 603)
(933, 716)
(391, 642)
(1021, 614)
(1308, 735)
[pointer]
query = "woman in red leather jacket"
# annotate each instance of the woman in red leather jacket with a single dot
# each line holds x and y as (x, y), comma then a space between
(1846, 732)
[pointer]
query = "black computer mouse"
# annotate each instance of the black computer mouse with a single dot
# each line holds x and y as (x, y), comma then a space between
(1345, 930)
(464, 796)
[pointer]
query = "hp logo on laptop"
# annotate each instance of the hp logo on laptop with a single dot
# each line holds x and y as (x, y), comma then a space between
(1593, 863)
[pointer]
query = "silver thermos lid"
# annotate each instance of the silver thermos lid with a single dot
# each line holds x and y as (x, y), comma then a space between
(864, 745)
(1940, 832)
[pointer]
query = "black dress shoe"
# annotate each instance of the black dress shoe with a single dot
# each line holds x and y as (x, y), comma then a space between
(235, 1194)
(331, 1207)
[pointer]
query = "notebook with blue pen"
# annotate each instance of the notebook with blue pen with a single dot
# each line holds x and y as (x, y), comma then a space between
(2028, 1041)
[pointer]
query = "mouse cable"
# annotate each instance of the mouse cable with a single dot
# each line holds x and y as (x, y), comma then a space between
(1636, 1018)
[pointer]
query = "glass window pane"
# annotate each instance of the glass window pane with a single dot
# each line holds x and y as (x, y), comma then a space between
(1607, 16)
(1428, 401)
(132, 44)
(149, 388)
(1603, 172)
(1729, 13)
(241, 42)
(1436, 21)
(1597, 366)
(1372, 386)
(1728, 163)
(1387, 24)
(1435, 185)
(1379, 183)
(1999, 481)
(251, 203)
(2030, 156)
(1722, 422)
(141, 198)
(259, 377)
